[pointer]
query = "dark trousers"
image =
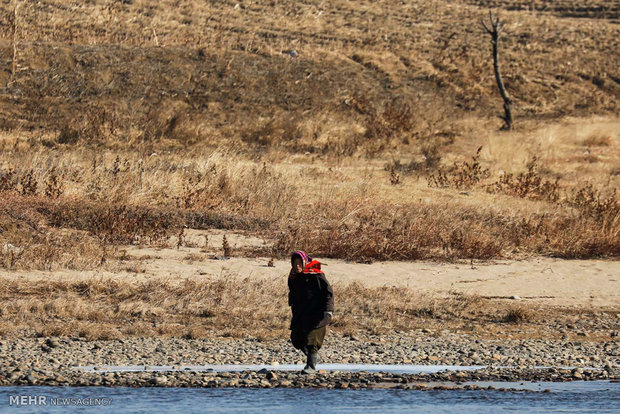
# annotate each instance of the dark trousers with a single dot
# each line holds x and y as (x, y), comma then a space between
(308, 341)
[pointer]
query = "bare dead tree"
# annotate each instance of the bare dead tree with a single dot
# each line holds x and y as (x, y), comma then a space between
(494, 31)
(13, 22)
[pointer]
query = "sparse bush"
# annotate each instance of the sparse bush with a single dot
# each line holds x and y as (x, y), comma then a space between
(518, 314)
(382, 121)
(8, 181)
(597, 139)
(51, 251)
(28, 184)
(53, 184)
(592, 203)
(403, 168)
(462, 176)
(387, 232)
(430, 152)
(527, 185)
(431, 159)
(394, 178)
(226, 247)
(117, 223)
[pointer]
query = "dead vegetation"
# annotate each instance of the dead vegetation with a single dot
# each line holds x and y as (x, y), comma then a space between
(129, 123)
(182, 73)
(518, 314)
(106, 308)
(52, 202)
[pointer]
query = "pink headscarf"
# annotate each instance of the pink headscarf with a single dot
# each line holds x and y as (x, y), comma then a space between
(304, 257)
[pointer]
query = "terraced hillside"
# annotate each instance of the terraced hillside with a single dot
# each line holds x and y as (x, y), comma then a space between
(596, 9)
(202, 71)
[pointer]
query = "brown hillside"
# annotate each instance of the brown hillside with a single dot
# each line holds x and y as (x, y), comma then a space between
(194, 71)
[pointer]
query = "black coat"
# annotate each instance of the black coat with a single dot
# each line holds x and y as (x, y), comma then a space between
(310, 295)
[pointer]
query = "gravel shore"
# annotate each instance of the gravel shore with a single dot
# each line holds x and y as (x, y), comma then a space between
(52, 361)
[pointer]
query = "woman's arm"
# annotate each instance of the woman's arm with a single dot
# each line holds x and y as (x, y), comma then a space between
(328, 293)
(290, 293)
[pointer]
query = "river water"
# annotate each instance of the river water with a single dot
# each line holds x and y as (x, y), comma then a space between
(593, 397)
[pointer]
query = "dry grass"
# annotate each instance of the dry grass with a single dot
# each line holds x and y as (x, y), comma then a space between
(130, 122)
(183, 72)
(518, 314)
(126, 123)
(104, 308)
(597, 139)
(114, 198)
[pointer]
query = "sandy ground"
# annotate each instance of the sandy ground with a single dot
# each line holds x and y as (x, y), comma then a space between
(551, 281)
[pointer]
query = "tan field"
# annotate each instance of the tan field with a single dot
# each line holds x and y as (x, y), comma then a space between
(134, 136)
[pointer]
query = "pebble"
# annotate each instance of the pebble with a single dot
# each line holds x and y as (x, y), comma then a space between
(22, 361)
(52, 343)
(160, 381)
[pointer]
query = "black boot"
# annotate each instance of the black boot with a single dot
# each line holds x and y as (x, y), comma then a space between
(313, 359)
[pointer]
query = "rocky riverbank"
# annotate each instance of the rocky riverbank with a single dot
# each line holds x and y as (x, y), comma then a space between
(322, 379)
(52, 361)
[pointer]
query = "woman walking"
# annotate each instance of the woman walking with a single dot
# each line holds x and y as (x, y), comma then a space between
(311, 299)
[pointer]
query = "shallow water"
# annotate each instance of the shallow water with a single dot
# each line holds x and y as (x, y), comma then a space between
(395, 369)
(594, 396)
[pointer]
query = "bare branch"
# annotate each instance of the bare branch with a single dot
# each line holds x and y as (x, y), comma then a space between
(486, 27)
(14, 27)
(493, 31)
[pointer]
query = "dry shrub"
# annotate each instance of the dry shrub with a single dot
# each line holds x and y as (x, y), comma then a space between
(8, 181)
(518, 314)
(597, 139)
(56, 329)
(391, 118)
(571, 237)
(592, 203)
(28, 183)
(52, 251)
(166, 121)
(7, 328)
(389, 232)
(101, 308)
(225, 305)
(398, 166)
(461, 176)
(138, 329)
(355, 229)
(527, 185)
(26, 242)
(95, 125)
(280, 128)
(116, 223)
(594, 231)
(384, 231)
(93, 332)
(110, 223)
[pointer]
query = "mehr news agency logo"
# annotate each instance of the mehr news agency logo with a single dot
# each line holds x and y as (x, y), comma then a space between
(44, 400)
